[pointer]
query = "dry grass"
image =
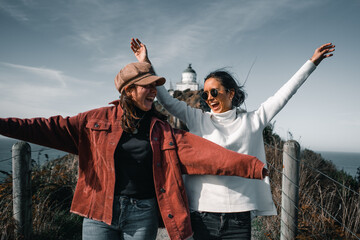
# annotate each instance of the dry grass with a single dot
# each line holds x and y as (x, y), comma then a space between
(52, 191)
(53, 187)
(320, 197)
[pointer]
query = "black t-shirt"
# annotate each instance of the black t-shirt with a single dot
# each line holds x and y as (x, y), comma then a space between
(133, 162)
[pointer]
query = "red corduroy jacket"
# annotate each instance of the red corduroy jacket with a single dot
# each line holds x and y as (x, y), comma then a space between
(94, 135)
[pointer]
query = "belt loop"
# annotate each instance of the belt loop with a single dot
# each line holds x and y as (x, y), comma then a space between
(132, 201)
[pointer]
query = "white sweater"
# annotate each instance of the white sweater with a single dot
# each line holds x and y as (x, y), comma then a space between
(240, 132)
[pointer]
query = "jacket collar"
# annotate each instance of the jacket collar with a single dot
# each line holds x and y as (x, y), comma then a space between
(115, 102)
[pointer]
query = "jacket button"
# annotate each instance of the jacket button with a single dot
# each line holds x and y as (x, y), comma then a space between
(162, 190)
(158, 164)
(170, 216)
(171, 143)
(155, 139)
(96, 125)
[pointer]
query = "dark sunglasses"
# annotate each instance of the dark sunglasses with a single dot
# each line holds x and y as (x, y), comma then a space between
(214, 93)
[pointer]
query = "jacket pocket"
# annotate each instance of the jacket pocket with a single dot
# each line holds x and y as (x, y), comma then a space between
(98, 130)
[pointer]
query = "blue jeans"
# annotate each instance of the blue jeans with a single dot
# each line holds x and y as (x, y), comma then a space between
(133, 219)
(209, 225)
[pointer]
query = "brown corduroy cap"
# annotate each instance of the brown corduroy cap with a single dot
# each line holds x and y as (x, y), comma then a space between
(139, 73)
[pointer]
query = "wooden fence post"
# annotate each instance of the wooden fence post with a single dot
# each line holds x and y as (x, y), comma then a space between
(21, 168)
(290, 190)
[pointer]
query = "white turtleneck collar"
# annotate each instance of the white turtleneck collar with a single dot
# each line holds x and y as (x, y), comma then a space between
(225, 117)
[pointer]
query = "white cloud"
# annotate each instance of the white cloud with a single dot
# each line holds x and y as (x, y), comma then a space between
(173, 29)
(42, 90)
(14, 11)
(48, 74)
(212, 25)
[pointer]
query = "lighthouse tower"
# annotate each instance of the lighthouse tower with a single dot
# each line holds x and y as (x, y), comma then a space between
(188, 80)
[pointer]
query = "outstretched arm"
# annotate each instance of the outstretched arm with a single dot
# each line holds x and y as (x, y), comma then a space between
(275, 103)
(322, 52)
(55, 132)
(200, 156)
(139, 50)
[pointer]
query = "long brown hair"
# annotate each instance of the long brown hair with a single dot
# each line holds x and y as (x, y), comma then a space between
(129, 119)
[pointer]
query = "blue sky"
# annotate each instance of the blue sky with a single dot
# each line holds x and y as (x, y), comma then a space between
(60, 57)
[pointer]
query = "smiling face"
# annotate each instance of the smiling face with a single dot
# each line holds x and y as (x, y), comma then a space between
(223, 101)
(143, 96)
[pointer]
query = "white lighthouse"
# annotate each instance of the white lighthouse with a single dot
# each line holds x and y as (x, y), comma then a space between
(188, 80)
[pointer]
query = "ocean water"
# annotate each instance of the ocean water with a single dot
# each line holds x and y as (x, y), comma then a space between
(39, 154)
(347, 161)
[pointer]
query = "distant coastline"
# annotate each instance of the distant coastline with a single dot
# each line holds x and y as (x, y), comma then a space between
(347, 161)
(39, 154)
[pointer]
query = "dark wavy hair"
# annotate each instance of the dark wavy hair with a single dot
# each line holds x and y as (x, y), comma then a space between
(129, 119)
(229, 83)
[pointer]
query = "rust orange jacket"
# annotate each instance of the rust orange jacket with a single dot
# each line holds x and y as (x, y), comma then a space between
(94, 135)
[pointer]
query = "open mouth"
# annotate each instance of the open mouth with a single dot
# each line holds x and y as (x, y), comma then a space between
(214, 106)
(150, 99)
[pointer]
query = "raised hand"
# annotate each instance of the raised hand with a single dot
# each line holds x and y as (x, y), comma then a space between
(139, 50)
(322, 52)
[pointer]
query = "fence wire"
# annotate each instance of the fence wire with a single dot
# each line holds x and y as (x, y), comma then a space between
(293, 222)
(316, 170)
(317, 206)
(8, 162)
(33, 151)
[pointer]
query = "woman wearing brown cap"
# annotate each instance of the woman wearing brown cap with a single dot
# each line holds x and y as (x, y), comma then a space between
(131, 161)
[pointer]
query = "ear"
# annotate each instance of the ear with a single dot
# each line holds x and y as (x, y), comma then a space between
(128, 91)
(231, 93)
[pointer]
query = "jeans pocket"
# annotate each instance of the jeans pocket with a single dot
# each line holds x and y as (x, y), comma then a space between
(203, 214)
(242, 219)
(145, 204)
(196, 214)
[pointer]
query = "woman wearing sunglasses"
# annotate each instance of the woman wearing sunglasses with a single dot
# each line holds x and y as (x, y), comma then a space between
(223, 206)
